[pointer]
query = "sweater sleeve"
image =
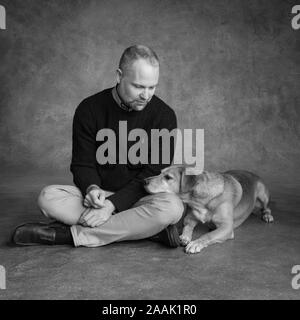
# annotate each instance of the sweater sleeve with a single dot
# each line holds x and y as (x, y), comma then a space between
(133, 191)
(83, 164)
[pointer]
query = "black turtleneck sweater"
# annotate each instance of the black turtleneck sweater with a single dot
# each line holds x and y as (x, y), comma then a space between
(126, 180)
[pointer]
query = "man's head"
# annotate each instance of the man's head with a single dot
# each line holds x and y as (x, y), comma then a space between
(137, 76)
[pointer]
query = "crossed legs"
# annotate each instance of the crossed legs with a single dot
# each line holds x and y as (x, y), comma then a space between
(147, 217)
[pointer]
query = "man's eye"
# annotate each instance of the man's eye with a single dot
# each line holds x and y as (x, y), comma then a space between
(167, 177)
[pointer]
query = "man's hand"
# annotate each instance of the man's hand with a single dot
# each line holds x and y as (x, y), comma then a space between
(95, 218)
(95, 197)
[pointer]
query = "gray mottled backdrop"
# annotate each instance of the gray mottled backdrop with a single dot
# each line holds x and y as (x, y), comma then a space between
(230, 67)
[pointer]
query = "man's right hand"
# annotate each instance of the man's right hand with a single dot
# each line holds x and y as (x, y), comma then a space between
(94, 198)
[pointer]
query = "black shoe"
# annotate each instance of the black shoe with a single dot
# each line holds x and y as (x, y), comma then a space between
(169, 236)
(30, 234)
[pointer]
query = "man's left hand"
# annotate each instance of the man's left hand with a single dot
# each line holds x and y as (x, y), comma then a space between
(96, 217)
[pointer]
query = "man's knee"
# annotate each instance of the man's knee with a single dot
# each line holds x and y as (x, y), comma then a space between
(171, 208)
(45, 197)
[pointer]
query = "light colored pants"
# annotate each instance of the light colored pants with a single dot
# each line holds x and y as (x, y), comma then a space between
(147, 217)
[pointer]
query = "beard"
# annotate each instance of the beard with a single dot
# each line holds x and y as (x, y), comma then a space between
(136, 105)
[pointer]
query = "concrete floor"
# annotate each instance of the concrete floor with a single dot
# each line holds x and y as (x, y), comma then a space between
(256, 265)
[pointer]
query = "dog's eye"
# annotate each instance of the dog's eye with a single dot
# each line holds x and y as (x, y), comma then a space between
(167, 177)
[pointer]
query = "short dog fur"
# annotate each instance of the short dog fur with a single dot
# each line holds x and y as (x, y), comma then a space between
(223, 200)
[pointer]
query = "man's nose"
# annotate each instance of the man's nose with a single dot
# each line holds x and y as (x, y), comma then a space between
(145, 94)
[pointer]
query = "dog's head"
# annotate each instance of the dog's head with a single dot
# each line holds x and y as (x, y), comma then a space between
(171, 180)
(179, 180)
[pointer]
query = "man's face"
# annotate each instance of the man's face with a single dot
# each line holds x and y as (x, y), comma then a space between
(137, 83)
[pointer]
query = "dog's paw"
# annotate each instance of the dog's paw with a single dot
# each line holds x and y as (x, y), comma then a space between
(267, 216)
(184, 240)
(195, 246)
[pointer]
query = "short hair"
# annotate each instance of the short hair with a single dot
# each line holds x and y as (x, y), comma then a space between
(136, 52)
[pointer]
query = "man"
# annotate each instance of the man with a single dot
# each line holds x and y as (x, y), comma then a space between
(109, 202)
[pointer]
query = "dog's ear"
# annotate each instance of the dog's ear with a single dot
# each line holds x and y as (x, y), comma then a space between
(193, 171)
(188, 178)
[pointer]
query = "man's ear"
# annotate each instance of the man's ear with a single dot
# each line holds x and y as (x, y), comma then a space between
(119, 75)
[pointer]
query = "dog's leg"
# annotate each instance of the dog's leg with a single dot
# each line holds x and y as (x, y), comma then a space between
(223, 219)
(189, 223)
(263, 198)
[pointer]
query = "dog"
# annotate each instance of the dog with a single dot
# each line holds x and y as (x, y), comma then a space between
(223, 200)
